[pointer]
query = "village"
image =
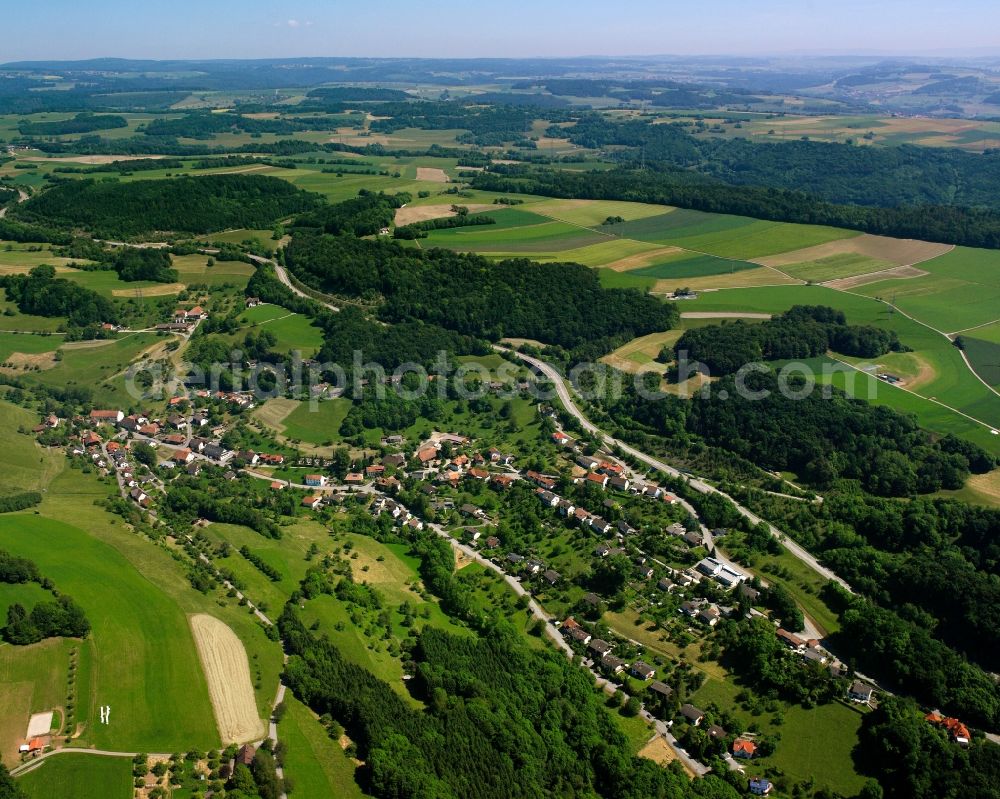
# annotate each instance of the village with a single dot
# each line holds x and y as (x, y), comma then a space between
(598, 515)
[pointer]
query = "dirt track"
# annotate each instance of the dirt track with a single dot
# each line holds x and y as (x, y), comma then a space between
(227, 673)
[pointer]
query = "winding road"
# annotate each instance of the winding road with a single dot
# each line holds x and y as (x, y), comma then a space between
(563, 391)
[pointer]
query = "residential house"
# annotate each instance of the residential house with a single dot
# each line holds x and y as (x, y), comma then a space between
(547, 498)
(677, 529)
(612, 665)
(642, 671)
(312, 501)
(602, 550)
(599, 647)
(729, 577)
(533, 567)
(315, 480)
(694, 538)
(501, 480)
(578, 634)
(471, 510)
(748, 592)
(248, 456)
(760, 786)
(478, 474)
(744, 748)
(791, 640)
(619, 483)
(176, 439)
(957, 731)
(586, 462)
(692, 714)
(183, 456)
(597, 479)
(665, 584)
(661, 688)
(354, 479)
(860, 692)
(709, 615)
(717, 732)
(551, 576)
(492, 542)
(106, 417)
(514, 559)
(562, 439)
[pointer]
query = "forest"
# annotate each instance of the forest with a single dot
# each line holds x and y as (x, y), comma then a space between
(560, 304)
(81, 123)
(204, 204)
(364, 215)
(913, 759)
(803, 331)
(929, 570)
(41, 293)
(131, 263)
(206, 125)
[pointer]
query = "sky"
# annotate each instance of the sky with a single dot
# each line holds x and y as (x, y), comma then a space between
(71, 29)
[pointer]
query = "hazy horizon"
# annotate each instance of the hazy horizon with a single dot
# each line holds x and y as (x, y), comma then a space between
(228, 29)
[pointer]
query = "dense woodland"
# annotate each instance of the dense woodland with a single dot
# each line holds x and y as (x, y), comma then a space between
(913, 759)
(930, 570)
(41, 293)
(110, 209)
(803, 331)
(81, 123)
(557, 303)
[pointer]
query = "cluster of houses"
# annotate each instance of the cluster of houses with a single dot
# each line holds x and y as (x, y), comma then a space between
(956, 730)
(811, 651)
(600, 652)
(398, 512)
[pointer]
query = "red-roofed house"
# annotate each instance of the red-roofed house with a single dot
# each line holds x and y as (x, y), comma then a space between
(183, 456)
(744, 748)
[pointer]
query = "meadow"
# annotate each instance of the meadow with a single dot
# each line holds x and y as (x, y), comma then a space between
(24, 465)
(292, 331)
(814, 743)
(515, 231)
(79, 777)
(313, 761)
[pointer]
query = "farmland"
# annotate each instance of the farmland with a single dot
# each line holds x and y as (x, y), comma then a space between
(145, 665)
(79, 777)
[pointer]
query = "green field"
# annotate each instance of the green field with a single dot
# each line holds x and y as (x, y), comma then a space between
(319, 425)
(101, 366)
(27, 344)
(79, 777)
(961, 291)
(727, 236)
(844, 264)
(194, 270)
(984, 355)
(107, 282)
(316, 764)
(73, 499)
(516, 231)
(145, 665)
(685, 265)
(293, 331)
(24, 465)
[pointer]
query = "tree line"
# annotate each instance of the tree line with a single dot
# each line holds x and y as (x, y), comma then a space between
(951, 224)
